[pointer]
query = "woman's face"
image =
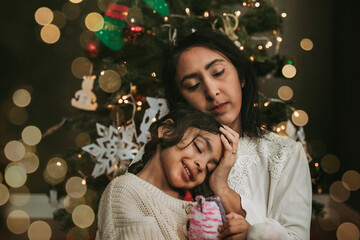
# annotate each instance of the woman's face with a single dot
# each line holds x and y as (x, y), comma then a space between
(209, 82)
(186, 164)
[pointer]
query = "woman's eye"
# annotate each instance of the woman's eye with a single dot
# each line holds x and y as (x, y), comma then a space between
(192, 88)
(219, 73)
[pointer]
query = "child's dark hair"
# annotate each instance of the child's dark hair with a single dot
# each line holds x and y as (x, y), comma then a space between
(216, 40)
(182, 118)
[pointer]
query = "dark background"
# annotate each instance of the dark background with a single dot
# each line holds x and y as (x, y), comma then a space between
(326, 85)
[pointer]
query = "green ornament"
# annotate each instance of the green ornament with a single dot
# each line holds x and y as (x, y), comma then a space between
(159, 6)
(111, 33)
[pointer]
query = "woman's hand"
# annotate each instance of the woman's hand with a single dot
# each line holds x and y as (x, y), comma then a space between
(218, 179)
(236, 227)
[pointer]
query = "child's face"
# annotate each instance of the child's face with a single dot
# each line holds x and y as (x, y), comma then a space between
(186, 164)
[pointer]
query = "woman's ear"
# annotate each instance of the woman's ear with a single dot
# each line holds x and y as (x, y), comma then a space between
(242, 83)
(165, 128)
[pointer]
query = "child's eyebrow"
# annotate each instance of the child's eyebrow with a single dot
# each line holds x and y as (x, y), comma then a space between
(208, 144)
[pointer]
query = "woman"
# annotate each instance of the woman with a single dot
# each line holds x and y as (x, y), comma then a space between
(270, 183)
(145, 203)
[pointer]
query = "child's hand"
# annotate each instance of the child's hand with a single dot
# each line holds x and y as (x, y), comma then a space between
(218, 179)
(236, 227)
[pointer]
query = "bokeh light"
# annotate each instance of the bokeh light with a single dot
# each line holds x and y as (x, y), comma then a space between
(18, 115)
(19, 196)
(338, 192)
(134, 17)
(71, 11)
(4, 194)
(82, 139)
(71, 203)
(59, 19)
(87, 36)
(351, 180)
(83, 216)
(30, 162)
(44, 16)
(14, 150)
(103, 4)
(285, 93)
(289, 71)
(51, 180)
(39, 230)
(56, 168)
(299, 118)
(109, 81)
(18, 221)
(347, 231)
(80, 67)
(21, 98)
(77, 233)
(94, 21)
(329, 219)
(306, 44)
(15, 176)
(75, 187)
(76, 1)
(330, 163)
(50, 34)
(31, 135)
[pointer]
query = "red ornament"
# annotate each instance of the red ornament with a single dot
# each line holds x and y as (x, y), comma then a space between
(132, 32)
(92, 49)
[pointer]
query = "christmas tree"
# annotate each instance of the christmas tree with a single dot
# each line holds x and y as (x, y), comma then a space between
(131, 34)
(124, 47)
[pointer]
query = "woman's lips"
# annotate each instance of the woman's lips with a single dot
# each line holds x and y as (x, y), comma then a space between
(220, 108)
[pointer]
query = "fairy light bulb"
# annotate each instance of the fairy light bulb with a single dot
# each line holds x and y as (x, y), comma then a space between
(237, 13)
(283, 15)
(268, 44)
(187, 11)
(206, 14)
(279, 39)
(166, 19)
(257, 4)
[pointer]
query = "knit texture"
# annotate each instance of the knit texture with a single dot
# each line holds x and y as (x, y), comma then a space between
(131, 208)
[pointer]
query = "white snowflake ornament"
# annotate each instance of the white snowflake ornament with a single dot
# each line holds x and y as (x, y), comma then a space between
(113, 147)
(157, 109)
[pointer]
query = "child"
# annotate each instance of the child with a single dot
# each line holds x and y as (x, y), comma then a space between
(145, 203)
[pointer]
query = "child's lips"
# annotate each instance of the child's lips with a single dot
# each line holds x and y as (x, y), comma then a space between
(220, 108)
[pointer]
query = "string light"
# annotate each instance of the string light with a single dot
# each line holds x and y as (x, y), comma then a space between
(283, 15)
(187, 11)
(166, 19)
(237, 13)
(268, 44)
(206, 14)
(257, 4)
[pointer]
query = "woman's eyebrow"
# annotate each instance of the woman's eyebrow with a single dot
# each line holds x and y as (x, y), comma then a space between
(191, 75)
(207, 66)
(213, 62)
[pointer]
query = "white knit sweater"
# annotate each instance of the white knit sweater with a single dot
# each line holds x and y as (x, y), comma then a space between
(131, 208)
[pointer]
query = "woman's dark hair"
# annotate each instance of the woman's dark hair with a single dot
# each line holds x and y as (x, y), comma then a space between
(183, 118)
(216, 40)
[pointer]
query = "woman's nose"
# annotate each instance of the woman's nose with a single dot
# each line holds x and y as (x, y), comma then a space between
(211, 89)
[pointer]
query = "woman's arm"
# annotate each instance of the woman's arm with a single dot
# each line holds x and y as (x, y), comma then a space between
(219, 178)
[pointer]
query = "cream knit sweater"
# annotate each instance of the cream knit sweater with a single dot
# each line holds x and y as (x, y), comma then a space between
(131, 208)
